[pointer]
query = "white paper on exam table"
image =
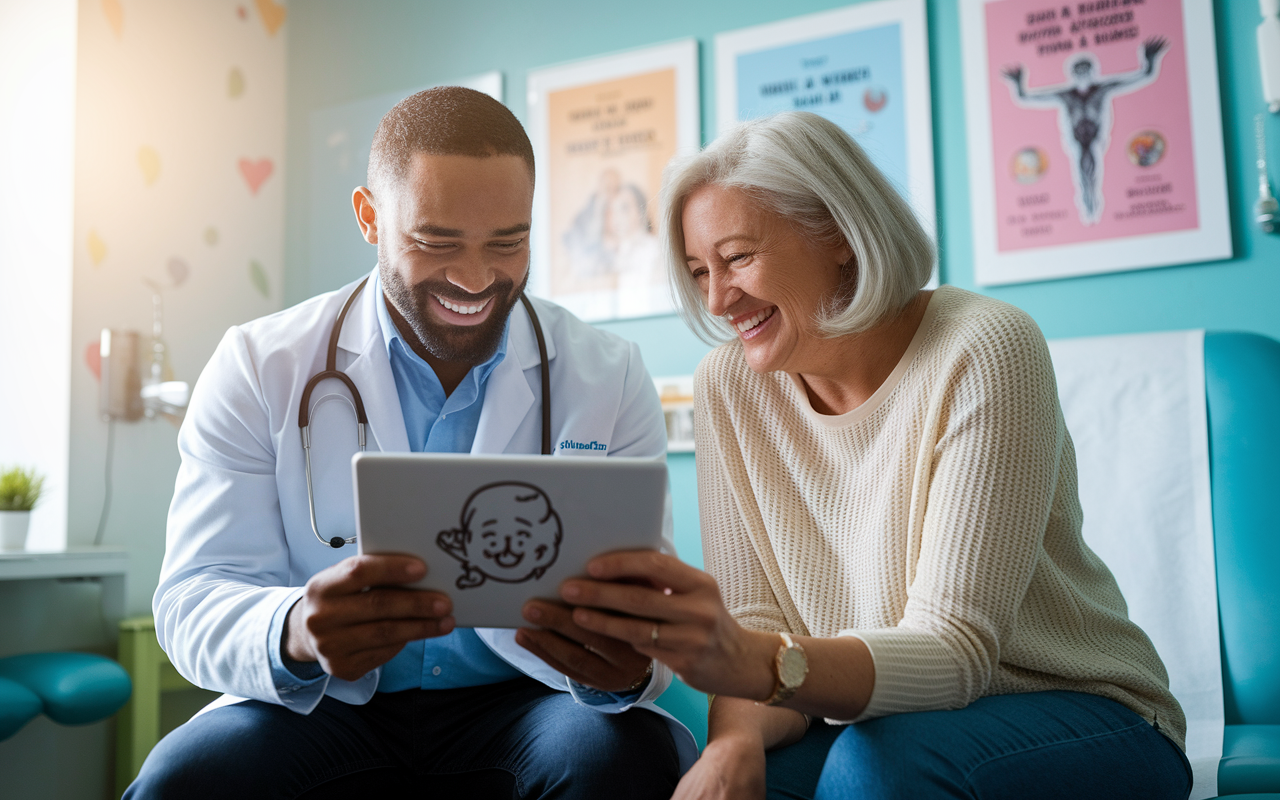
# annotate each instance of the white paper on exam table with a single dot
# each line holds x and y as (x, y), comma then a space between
(1135, 407)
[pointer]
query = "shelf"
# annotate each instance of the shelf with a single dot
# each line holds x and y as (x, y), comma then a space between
(109, 565)
(73, 562)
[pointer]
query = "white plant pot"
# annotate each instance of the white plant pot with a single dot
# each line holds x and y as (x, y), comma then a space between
(13, 529)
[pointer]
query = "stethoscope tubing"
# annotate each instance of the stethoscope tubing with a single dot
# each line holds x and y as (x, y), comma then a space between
(362, 421)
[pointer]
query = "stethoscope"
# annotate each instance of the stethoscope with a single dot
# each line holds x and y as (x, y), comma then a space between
(331, 371)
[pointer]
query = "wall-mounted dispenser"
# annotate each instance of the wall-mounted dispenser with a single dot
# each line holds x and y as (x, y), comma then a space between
(1269, 52)
(120, 392)
(125, 392)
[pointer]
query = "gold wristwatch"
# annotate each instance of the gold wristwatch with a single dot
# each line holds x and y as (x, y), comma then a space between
(790, 666)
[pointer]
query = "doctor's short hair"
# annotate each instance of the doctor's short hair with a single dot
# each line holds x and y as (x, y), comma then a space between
(809, 171)
(446, 120)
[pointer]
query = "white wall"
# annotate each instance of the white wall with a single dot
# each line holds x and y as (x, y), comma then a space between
(170, 98)
(37, 106)
(122, 124)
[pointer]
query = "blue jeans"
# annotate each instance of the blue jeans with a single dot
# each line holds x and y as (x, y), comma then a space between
(517, 739)
(1046, 745)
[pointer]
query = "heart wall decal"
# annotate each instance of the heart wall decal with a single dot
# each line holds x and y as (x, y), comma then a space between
(93, 359)
(149, 163)
(97, 248)
(256, 172)
(114, 13)
(258, 277)
(178, 270)
(272, 14)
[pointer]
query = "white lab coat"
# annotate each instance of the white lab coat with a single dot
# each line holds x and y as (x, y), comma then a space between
(239, 542)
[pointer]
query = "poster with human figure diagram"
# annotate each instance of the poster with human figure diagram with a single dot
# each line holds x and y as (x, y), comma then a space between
(1095, 141)
(603, 131)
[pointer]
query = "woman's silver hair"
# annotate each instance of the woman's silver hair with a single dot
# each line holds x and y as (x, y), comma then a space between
(808, 171)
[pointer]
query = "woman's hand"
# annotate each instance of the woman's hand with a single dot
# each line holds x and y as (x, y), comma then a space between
(673, 612)
(729, 769)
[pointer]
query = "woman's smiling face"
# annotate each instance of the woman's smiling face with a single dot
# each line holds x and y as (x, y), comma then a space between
(759, 273)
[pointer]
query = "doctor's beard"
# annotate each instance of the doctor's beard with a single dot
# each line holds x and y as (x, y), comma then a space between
(474, 344)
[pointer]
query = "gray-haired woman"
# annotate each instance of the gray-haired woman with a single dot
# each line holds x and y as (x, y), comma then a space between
(889, 511)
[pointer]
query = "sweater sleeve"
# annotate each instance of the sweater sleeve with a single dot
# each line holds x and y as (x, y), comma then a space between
(999, 444)
(727, 549)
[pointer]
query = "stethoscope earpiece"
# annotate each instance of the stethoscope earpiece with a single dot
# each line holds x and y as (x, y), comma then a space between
(337, 542)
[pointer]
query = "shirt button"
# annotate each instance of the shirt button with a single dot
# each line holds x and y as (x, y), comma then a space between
(435, 670)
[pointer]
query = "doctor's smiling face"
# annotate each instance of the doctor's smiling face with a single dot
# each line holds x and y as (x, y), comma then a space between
(453, 252)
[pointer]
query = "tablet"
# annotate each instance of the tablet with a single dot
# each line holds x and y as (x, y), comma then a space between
(496, 531)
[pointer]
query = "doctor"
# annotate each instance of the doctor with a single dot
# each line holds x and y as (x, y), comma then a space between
(339, 679)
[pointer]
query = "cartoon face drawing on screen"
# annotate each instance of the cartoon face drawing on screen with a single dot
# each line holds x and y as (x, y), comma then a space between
(509, 533)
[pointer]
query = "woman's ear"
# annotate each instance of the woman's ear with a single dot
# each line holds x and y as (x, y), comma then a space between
(846, 258)
(366, 213)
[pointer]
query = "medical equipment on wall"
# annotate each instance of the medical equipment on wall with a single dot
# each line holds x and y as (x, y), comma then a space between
(331, 371)
(125, 392)
(1266, 212)
(161, 395)
(120, 389)
(1269, 52)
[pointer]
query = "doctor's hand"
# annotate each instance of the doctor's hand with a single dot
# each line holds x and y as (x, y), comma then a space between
(589, 658)
(357, 615)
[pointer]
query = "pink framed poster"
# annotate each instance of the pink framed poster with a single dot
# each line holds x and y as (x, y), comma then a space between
(1095, 139)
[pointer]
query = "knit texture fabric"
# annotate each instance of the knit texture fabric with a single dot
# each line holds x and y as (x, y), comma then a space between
(939, 521)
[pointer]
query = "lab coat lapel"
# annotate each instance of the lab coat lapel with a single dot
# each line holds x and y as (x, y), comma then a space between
(361, 338)
(508, 396)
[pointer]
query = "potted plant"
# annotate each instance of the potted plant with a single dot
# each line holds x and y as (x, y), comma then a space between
(19, 491)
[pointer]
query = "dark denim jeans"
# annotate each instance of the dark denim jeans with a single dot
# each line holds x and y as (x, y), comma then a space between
(517, 739)
(1043, 745)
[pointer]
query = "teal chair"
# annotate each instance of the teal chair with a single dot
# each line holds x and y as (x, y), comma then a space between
(18, 706)
(1242, 385)
(70, 688)
(1242, 380)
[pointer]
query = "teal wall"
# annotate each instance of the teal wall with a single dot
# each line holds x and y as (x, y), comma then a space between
(342, 51)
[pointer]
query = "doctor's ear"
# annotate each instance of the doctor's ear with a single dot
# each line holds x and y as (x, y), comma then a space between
(366, 213)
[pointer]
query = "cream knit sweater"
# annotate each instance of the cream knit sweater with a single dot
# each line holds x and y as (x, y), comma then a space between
(938, 521)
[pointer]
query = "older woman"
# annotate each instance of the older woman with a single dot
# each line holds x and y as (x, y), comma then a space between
(889, 509)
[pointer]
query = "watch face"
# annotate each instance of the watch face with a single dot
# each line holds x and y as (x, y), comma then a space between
(792, 667)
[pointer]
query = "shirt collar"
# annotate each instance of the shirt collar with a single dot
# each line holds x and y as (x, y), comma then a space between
(390, 334)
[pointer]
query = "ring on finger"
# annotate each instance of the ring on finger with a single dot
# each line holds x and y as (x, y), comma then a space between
(653, 637)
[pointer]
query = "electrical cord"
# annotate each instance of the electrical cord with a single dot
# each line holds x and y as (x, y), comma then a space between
(106, 498)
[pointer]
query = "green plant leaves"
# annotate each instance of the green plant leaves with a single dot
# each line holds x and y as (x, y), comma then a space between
(19, 489)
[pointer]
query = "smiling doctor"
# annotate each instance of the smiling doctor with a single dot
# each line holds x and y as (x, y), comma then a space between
(339, 679)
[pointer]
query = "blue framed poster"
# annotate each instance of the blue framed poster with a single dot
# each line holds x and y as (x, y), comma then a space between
(864, 67)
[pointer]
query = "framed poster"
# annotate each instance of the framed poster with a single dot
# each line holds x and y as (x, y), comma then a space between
(1095, 137)
(602, 131)
(864, 67)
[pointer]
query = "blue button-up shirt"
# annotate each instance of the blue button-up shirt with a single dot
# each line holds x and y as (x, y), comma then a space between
(434, 423)
(439, 424)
